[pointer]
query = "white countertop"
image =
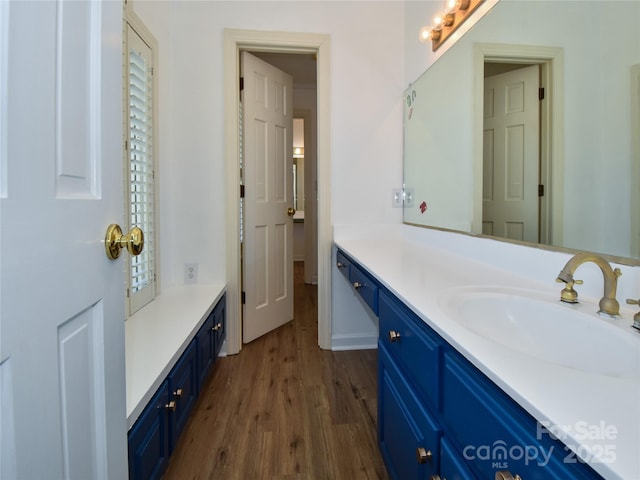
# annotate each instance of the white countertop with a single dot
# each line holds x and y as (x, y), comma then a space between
(565, 398)
(157, 335)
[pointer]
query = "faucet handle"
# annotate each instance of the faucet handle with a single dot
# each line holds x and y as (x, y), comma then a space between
(568, 294)
(636, 317)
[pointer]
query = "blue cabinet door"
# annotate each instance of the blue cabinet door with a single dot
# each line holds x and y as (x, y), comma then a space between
(183, 390)
(409, 438)
(149, 439)
(205, 348)
(219, 324)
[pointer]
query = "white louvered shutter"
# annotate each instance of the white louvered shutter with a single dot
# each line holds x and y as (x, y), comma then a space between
(141, 168)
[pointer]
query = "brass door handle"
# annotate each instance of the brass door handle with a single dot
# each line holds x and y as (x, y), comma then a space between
(423, 455)
(178, 393)
(171, 406)
(115, 241)
(394, 336)
(291, 211)
(506, 475)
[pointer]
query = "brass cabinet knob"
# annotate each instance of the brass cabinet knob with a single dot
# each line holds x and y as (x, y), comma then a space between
(115, 241)
(423, 455)
(171, 406)
(216, 327)
(357, 285)
(177, 393)
(505, 475)
(340, 265)
(291, 211)
(394, 336)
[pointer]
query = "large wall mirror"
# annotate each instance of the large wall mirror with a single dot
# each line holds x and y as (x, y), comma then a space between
(528, 128)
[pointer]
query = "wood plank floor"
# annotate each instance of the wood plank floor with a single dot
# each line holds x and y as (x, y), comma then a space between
(284, 409)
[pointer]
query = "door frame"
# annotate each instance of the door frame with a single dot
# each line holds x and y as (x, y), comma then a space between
(551, 61)
(280, 42)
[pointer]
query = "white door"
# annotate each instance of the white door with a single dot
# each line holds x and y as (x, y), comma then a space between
(268, 181)
(62, 353)
(511, 155)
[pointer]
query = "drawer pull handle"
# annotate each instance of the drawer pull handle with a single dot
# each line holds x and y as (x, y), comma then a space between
(178, 393)
(506, 475)
(217, 327)
(423, 455)
(171, 406)
(394, 336)
(357, 285)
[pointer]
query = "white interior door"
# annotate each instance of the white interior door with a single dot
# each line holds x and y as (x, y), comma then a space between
(62, 372)
(268, 180)
(511, 163)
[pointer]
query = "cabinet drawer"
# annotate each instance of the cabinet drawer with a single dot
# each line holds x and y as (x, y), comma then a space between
(366, 287)
(343, 264)
(404, 426)
(494, 433)
(412, 345)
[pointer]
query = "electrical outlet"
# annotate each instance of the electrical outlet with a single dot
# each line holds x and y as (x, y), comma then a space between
(396, 197)
(190, 273)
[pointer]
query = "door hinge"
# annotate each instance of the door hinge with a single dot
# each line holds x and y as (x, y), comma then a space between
(541, 93)
(126, 145)
(541, 190)
(241, 191)
(127, 293)
(152, 71)
(241, 83)
(243, 297)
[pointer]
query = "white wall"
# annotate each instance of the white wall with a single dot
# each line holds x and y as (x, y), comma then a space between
(366, 114)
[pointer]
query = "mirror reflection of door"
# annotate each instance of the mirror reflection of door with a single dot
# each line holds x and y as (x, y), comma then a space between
(511, 152)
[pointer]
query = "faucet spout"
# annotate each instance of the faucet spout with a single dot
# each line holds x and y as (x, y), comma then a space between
(608, 303)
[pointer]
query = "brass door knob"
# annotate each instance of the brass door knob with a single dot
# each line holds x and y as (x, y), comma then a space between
(394, 336)
(291, 211)
(115, 241)
(423, 455)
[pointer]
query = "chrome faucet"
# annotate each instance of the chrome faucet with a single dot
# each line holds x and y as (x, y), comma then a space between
(608, 303)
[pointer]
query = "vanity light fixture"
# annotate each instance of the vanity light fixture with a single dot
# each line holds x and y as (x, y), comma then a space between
(444, 24)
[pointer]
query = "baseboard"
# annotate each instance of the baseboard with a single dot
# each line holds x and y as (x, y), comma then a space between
(354, 342)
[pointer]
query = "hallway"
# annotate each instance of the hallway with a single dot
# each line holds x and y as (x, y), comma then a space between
(284, 409)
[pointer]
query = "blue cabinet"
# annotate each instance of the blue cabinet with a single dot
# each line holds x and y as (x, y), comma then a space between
(441, 417)
(149, 438)
(156, 432)
(183, 392)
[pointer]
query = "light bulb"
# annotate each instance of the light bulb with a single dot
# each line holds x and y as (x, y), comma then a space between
(451, 6)
(425, 34)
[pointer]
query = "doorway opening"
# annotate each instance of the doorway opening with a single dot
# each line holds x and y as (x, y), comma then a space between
(236, 41)
(549, 61)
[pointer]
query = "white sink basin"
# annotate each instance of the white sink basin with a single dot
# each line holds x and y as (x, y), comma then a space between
(545, 328)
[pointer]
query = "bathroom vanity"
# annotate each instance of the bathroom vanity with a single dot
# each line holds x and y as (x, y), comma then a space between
(463, 392)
